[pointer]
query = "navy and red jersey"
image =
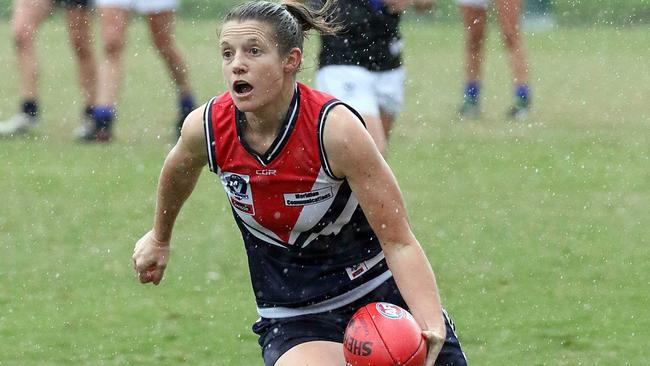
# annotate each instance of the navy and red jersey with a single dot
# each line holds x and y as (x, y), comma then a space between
(309, 245)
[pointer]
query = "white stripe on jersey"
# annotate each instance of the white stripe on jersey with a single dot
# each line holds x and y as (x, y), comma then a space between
(264, 237)
(321, 136)
(336, 226)
(258, 230)
(208, 139)
(312, 214)
(329, 304)
(287, 128)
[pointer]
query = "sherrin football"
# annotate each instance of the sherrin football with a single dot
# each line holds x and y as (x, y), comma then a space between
(383, 334)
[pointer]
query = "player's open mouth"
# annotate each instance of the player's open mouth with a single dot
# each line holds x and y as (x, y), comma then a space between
(242, 88)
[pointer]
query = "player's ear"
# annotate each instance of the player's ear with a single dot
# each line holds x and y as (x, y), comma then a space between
(293, 60)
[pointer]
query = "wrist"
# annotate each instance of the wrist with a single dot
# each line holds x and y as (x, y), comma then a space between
(160, 240)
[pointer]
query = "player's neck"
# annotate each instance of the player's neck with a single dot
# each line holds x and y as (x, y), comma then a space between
(267, 120)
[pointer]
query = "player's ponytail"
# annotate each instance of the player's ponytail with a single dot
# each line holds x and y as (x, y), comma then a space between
(320, 20)
(290, 20)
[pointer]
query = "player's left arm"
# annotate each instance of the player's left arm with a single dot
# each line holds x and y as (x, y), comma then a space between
(352, 154)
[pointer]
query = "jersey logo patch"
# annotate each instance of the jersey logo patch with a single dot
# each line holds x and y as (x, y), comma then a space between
(308, 198)
(356, 270)
(239, 193)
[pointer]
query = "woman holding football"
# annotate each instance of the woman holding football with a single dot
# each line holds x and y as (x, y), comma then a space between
(321, 215)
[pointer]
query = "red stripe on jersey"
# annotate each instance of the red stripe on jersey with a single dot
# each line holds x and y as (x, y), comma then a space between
(260, 188)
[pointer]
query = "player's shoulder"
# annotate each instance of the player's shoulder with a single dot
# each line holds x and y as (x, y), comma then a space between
(309, 95)
(341, 113)
(342, 127)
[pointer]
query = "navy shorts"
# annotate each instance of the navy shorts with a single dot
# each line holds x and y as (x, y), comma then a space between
(277, 336)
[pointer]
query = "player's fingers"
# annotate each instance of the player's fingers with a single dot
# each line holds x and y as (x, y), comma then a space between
(431, 358)
(157, 275)
(434, 344)
(144, 276)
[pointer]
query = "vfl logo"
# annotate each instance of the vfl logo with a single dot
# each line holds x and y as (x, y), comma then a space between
(389, 310)
(237, 185)
(239, 193)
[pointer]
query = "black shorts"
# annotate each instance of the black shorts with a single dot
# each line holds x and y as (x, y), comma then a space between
(73, 3)
(277, 336)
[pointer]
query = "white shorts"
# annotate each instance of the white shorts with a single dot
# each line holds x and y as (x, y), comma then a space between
(366, 91)
(474, 3)
(141, 6)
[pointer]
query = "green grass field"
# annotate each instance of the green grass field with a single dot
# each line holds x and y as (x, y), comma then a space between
(537, 231)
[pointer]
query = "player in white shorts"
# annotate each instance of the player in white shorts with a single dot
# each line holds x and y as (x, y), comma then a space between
(114, 18)
(474, 3)
(377, 95)
(140, 6)
(362, 65)
(474, 14)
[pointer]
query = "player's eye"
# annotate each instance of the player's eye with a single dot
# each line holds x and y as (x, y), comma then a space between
(226, 54)
(255, 51)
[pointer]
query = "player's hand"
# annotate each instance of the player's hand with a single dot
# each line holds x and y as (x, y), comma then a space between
(434, 344)
(150, 257)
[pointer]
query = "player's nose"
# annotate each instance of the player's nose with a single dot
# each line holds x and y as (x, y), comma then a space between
(239, 65)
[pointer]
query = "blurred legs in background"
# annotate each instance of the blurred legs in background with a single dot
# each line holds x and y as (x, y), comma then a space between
(474, 14)
(114, 18)
(27, 16)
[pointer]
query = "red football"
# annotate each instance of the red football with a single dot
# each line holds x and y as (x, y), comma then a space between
(383, 334)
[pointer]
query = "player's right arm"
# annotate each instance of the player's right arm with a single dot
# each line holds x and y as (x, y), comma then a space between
(178, 178)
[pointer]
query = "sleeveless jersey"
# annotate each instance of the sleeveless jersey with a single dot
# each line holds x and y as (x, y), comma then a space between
(309, 245)
(370, 37)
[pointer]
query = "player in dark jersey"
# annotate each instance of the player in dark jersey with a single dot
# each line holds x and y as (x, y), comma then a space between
(320, 213)
(362, 65)
(27, 16)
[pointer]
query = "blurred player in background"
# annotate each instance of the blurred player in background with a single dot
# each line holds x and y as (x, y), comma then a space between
(362, 65)
(474, 13)
(321, 215)
(27, 16)
(114, 18)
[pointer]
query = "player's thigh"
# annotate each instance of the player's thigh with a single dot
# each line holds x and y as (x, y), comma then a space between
(113, 20)
(353, 85)
(389, 87)
(79, 25)
(315, 353)
(161, 25)
(27, 15)
(509, 12)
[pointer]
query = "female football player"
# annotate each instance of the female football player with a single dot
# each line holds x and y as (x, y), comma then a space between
(321, 215)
